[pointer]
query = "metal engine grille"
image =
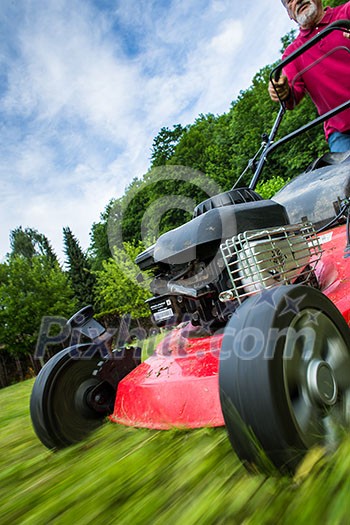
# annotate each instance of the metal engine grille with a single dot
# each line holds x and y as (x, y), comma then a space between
(260, 259)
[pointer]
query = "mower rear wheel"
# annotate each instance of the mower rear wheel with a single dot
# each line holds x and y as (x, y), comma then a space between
(64, 400)
(285, 377)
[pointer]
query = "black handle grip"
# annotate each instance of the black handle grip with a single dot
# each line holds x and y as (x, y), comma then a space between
(84, 323)
(80, 318)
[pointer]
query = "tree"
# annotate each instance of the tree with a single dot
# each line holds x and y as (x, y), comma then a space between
(99, 249)
(30, 289)
(164, 144)
(332, 3)
(192, 148)
(287, 39)
(79, 269)
(30, 242)
(117, 286)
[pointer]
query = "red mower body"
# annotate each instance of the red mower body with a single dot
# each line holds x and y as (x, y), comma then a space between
(333, 270)
(178, 387)
(175, 387)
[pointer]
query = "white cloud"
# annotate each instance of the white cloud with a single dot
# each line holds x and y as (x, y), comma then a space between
(85, 91)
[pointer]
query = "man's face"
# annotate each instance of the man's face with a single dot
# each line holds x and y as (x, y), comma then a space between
(305, 12)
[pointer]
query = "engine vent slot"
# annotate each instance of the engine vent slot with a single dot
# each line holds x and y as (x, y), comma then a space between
(261, 259)
(236, 196)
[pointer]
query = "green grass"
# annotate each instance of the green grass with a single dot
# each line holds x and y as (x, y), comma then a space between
(128, 476)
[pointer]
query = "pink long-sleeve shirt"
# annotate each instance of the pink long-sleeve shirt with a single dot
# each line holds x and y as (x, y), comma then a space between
(327, 81)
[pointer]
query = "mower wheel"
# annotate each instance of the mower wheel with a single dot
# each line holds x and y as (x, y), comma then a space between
(285, 377)
(68, 401)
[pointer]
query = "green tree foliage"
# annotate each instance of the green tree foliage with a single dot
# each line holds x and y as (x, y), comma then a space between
(270, 187)
(206, 146)
(164, 193)
(332, 3)
(164, 144)
(79, 269)
(128, 211)
(117, 287)
(30, 288)
(99, 249)
(30, 242)
(287, 39)
(191, 149)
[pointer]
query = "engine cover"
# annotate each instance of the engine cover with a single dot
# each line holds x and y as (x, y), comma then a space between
(201, 237)
(315, 195)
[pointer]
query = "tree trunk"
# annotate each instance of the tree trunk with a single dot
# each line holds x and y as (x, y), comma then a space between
(36, 364)
(19, 368)
(3, 376)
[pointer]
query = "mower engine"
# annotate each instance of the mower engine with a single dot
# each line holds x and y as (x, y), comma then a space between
(236, 245)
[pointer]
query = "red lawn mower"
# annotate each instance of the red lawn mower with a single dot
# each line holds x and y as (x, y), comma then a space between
(259, 293)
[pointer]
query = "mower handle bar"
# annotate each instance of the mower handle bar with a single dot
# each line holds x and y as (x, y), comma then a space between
(273, 145)
(338, 25)
(269, 146)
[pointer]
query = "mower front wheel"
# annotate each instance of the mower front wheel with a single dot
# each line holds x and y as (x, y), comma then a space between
(68, 401)
(285, 376)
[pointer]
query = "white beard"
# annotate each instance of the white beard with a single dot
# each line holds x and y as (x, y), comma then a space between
(307, 16)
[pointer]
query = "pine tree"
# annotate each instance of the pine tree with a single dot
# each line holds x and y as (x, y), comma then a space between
(29, 242)
(79, 269)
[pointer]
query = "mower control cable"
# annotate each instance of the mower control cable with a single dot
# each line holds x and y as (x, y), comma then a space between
(252, 162)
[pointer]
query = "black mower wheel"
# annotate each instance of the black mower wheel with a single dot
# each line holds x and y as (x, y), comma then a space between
(285, 377)
(64, 401)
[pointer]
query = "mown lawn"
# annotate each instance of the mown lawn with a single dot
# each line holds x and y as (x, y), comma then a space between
(129, 476)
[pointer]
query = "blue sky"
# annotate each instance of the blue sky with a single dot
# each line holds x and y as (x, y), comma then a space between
(86, 85)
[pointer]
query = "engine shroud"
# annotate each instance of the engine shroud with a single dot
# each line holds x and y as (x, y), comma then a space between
(187, 263)
(200, 238)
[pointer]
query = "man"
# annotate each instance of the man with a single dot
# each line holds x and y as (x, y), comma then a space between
(328, 80)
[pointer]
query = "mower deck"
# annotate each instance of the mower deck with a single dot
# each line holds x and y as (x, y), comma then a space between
(175, 387)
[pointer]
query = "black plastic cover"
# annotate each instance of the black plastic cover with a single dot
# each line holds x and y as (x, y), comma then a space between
(145, 259)
(234, 196)
(315, 194)
(201, 237)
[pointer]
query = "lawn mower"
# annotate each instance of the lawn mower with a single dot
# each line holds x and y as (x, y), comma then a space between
(256, 293)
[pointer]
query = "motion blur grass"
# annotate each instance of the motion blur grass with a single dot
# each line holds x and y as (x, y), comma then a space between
(131, 476)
